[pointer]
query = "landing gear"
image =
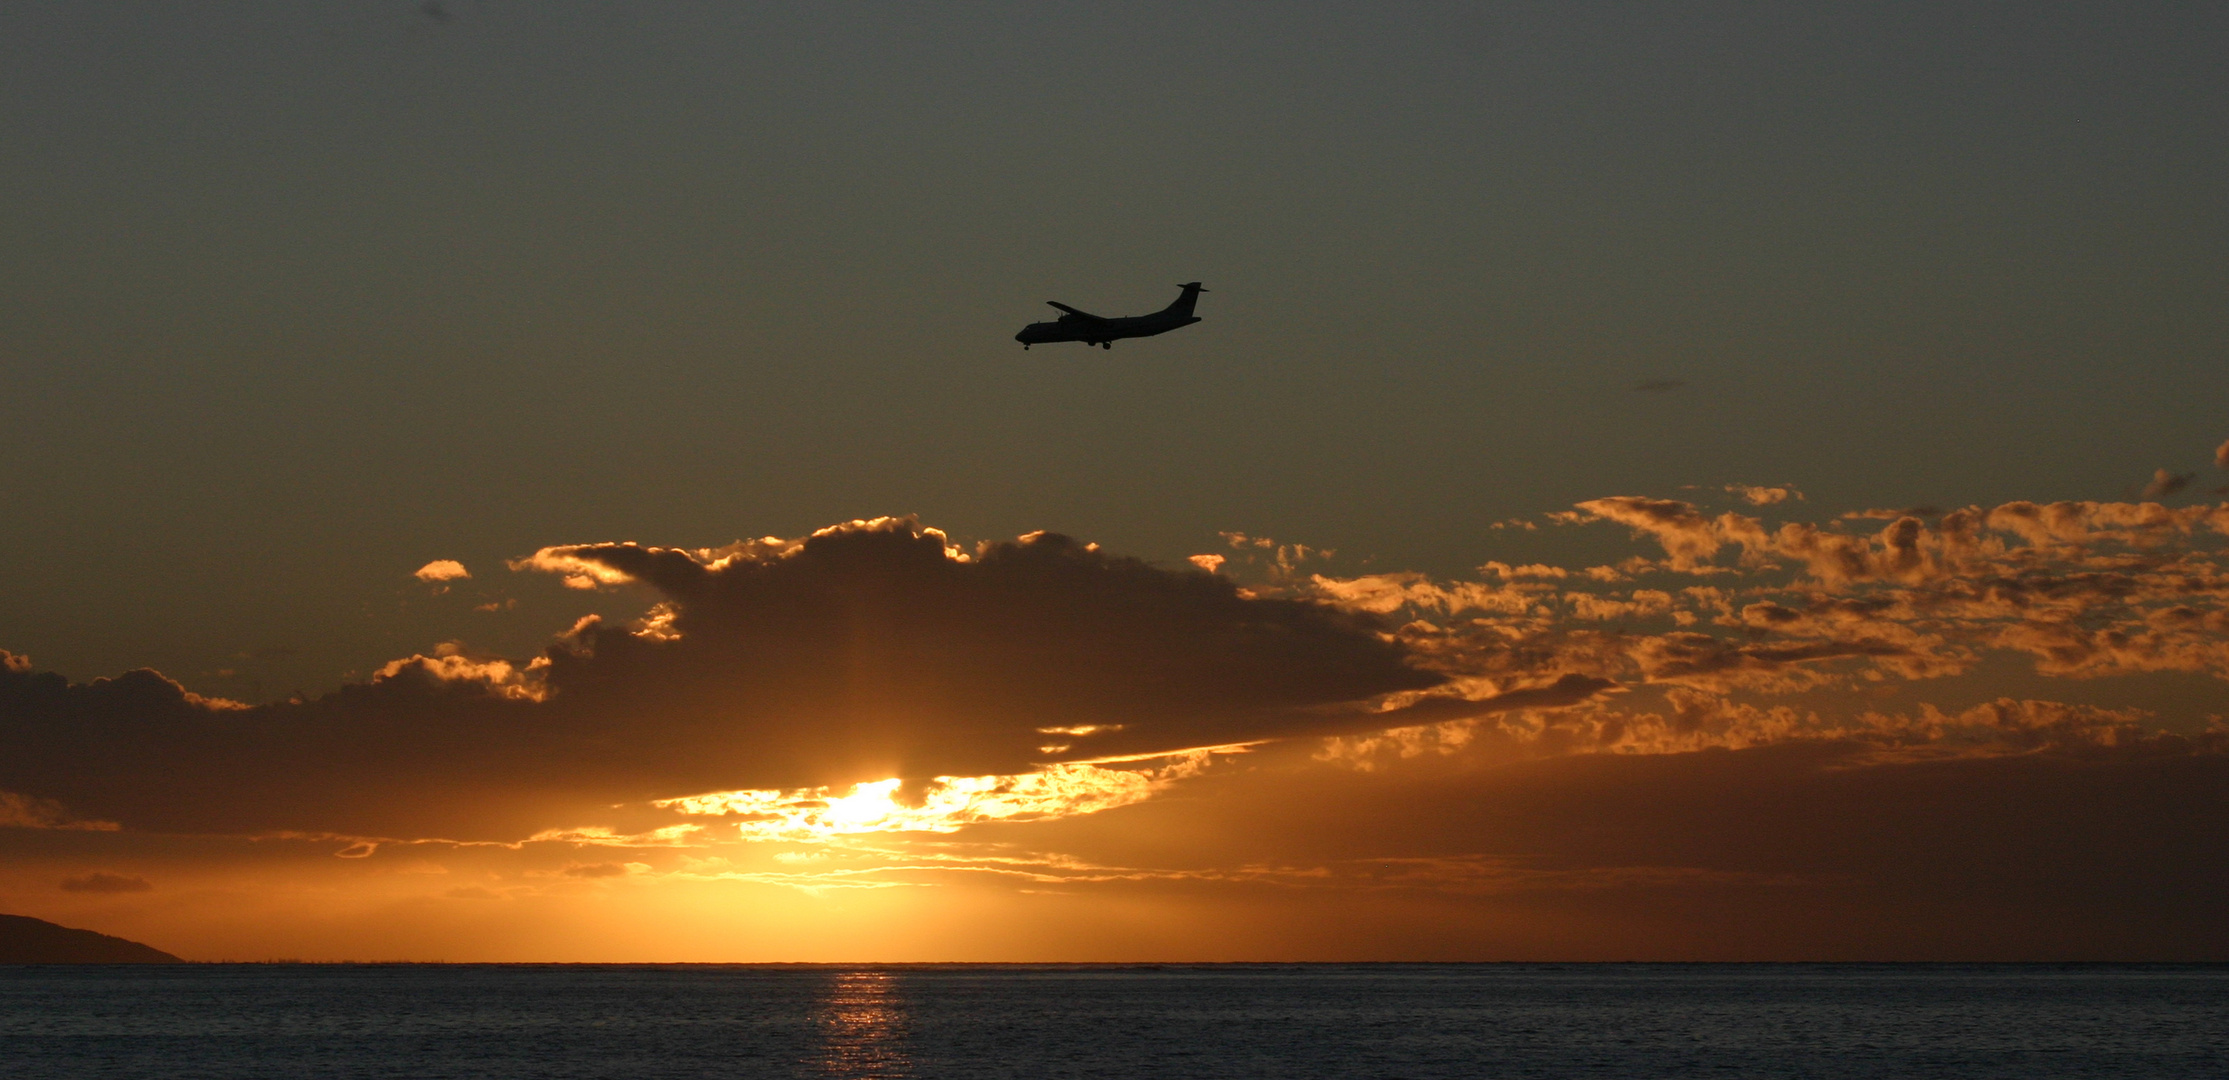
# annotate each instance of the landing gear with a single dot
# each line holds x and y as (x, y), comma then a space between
(1107, 345)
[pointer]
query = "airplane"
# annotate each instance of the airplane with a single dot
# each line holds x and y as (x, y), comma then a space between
(1094, 330)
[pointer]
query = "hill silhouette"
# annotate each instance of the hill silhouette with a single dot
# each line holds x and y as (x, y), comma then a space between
(25, 940)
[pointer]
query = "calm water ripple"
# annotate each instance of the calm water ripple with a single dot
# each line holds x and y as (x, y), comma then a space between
(1409, 1021)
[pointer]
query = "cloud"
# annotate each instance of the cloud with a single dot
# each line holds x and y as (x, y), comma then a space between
(1686, 535)
(1876, 514)
(1564, 691)
(577, 573)
(869, 650)
(20, 811)
(2077, 590)
(1909, 548)
(1764, 496)
(946, 803)
(1687, 721)
(596, 870)
(878, 678)
(441, 570)
(1785, 848)
(98, 882)
(2167, 483)
(1759, 733)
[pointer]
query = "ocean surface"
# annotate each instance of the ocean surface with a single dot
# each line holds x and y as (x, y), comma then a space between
(1369, 1020)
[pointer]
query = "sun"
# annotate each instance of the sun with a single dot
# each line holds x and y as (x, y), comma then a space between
(869, 805)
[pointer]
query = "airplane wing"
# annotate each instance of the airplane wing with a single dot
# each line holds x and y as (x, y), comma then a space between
(1079, 314)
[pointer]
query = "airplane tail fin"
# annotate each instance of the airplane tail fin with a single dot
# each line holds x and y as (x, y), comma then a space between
(1184, 301)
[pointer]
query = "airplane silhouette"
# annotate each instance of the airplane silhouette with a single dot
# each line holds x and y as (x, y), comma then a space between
(1094, 330)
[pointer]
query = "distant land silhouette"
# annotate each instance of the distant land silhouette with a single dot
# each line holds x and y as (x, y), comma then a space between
(25, 940)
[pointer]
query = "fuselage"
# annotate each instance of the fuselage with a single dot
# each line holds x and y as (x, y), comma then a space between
(1071, 328)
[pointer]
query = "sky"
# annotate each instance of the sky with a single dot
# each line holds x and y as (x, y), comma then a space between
(499, 481)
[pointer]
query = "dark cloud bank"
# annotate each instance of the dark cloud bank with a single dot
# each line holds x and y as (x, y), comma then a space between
(1800, 850)
(864, 651)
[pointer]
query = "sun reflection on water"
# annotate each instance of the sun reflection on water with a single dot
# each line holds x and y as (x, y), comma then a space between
(863, 1027)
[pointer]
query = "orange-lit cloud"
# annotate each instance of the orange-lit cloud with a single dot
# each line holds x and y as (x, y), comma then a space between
(20, 811)
(876, 710)
(98, 882)
(944, 804)
(1756, 495)
(2167, 483)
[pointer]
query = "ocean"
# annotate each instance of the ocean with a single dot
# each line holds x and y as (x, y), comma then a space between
(1050, 1021)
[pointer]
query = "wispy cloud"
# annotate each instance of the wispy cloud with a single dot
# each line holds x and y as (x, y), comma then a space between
(1758, 495)
(99, 882)
(2167, 483)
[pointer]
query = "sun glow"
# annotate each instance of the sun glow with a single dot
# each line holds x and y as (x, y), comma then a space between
(945, 804)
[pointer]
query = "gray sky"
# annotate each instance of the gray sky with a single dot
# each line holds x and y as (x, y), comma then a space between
(299, 296)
